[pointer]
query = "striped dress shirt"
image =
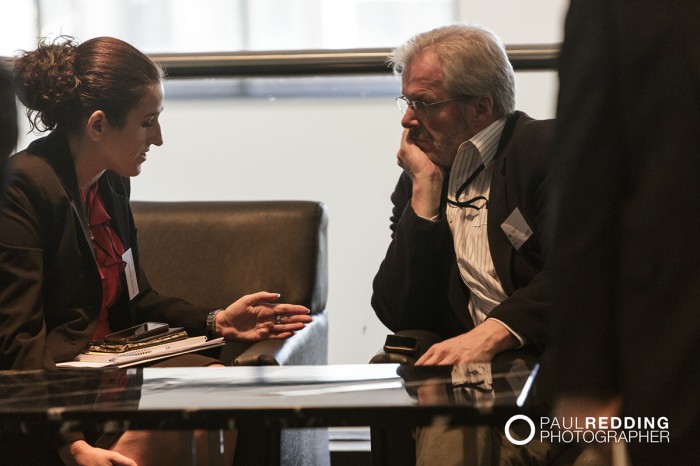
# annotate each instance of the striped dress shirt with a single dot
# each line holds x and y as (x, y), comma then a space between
(469, 226)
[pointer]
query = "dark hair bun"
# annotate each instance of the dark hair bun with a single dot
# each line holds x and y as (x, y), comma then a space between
(62, 82)
(46, 82)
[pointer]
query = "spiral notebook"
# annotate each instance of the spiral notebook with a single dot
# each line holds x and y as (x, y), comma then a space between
(142, 355)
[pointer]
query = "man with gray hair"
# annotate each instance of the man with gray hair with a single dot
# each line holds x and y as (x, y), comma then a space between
(466, 260)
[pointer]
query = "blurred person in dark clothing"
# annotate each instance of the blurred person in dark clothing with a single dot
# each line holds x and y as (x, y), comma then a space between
(626, 254)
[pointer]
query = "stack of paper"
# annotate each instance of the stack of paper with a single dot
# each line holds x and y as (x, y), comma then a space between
(142, 355)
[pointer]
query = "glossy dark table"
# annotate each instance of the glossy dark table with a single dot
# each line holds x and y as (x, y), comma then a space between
(271, 397)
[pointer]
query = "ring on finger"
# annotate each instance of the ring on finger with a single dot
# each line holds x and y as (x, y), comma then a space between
(278, 319)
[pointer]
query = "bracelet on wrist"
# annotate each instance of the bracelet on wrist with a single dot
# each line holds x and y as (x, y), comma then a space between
(211, 331)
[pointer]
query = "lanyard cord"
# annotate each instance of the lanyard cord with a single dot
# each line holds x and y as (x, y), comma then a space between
(469, 203)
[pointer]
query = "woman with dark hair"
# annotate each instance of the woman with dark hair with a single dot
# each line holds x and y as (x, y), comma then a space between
(69, 262)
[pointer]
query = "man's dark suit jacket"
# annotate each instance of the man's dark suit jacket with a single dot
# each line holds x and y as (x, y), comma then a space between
(418, 285)
(50, 289)
(627, 248)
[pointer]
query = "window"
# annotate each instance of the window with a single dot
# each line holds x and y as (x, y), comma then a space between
(161, 26)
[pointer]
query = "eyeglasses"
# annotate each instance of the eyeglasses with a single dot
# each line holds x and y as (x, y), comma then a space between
(419, 106)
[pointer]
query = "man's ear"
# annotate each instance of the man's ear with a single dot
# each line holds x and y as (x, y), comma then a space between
(483, 112)
(96, 125)
(484, 107)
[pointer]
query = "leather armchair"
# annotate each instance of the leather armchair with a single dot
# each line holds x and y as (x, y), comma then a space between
(212, 253)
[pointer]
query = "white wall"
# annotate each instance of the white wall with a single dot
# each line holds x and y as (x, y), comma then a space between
(338, 151)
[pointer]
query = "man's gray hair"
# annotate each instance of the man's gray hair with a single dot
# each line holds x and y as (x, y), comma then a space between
(474, 62)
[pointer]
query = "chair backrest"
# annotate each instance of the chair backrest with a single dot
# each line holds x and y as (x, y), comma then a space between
(212, 253)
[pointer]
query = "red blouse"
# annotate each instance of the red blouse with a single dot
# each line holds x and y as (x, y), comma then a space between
(108, 250)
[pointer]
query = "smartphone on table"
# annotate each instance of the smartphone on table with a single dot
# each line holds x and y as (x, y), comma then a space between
(136, 333)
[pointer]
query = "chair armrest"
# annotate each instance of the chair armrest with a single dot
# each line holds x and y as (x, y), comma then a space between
(306, 347)
(262, 353)
(424, 339)
(382, 357)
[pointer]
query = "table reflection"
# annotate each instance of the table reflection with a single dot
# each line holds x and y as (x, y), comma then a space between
(479, 385)
(297, 396)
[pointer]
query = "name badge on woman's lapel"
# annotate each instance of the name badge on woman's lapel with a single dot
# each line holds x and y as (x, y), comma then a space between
(516, 229)
(130, 272)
